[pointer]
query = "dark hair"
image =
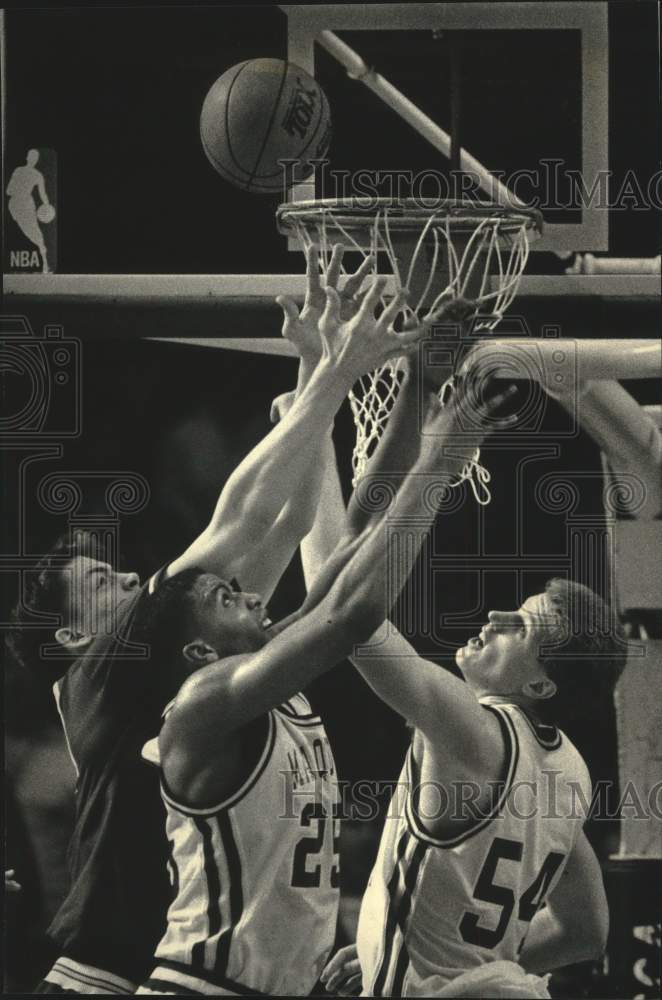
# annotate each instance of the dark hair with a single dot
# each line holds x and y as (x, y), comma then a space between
(165, 623)
(592, 655)
(45, 593)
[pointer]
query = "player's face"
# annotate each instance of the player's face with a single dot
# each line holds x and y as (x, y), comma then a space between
(506, 655)
(231, 621)
(95, 594)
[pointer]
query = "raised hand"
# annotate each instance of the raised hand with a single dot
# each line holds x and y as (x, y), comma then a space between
(351, 296)
(301, 328)
(463, 422)
(366, 341)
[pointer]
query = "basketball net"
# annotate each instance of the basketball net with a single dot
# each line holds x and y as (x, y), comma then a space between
(466, 250)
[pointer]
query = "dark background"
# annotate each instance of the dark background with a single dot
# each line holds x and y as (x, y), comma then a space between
(117, 92)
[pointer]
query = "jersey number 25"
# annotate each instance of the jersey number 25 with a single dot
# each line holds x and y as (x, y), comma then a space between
(309, 876)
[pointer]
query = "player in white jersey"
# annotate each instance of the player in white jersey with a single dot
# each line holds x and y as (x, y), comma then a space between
(247, 775)
(438, 905)
(257, 875)
(486, 824)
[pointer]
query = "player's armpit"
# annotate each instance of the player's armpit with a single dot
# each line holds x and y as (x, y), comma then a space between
(256, 559)
(194, 728)
(225, 549)
(259, 567)
(202, 766)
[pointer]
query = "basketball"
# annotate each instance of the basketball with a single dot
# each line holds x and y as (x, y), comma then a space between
(262, 112)
(45, 213)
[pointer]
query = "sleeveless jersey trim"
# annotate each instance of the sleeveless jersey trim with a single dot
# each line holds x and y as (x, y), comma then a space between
(233, 799)
(511, 743)
(216, 917)
(314, 722)
(401, 891)
(289, 710)
(547, 735)
(176, 977)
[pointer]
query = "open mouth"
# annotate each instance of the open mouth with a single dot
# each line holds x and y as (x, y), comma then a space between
(266, 622)
(476, 642)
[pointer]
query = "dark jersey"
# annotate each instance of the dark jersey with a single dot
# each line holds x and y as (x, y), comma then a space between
(115, 912)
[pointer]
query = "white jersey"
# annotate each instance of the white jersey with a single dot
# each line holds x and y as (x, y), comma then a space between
(256, 878)
(436, 908)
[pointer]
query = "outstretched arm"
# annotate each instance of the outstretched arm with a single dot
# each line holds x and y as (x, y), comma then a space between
(416, 688)
(267, 504)
(335, 531)
(219, 700)
(301, 329)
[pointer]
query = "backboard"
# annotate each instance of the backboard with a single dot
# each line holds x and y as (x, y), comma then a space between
(537, 130)
(559, 100)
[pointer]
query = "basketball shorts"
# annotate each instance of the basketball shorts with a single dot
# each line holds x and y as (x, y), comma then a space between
(68, 976)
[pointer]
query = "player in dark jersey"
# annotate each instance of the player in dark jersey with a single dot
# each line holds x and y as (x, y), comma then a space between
(110, 699)
(117, 856)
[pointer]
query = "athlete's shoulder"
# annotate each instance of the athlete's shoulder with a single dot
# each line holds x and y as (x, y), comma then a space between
(574, 764)
(228, 782)
(545, 746)
(112, 663)
(548, 736)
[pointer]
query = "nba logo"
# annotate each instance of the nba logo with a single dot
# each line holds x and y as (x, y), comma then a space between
(31, 217)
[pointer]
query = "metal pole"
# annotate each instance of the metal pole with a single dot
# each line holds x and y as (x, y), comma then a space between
(455, 66)
(357, 69)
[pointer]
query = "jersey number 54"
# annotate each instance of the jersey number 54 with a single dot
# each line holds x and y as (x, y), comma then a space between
(487, 891)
